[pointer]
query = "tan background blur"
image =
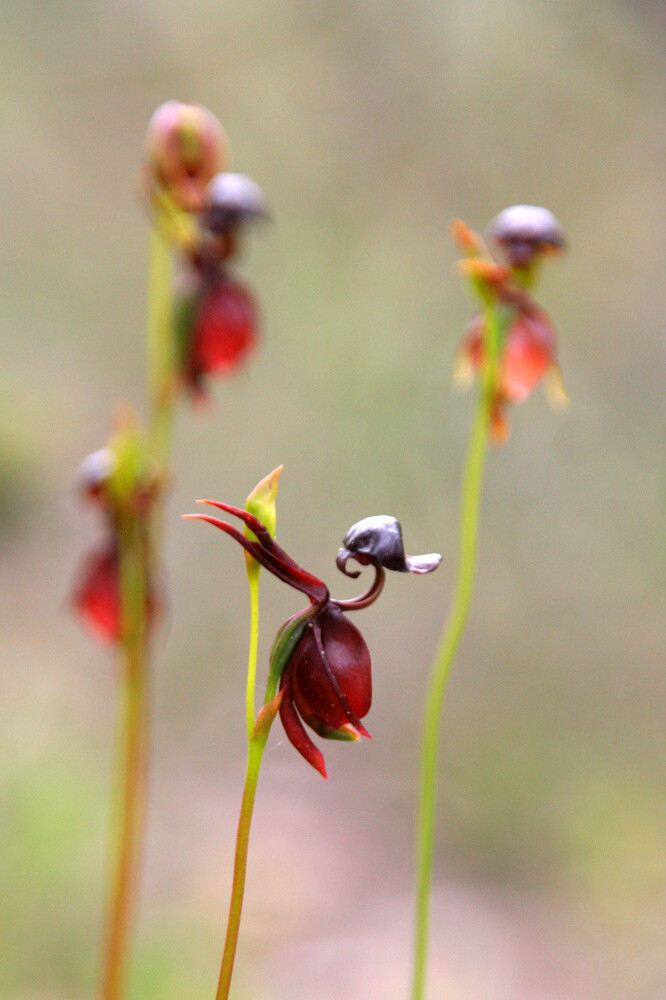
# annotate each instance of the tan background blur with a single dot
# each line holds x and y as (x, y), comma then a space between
(369, 125)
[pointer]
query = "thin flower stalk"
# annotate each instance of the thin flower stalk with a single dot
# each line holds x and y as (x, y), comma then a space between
(513, 348)
(319, 672)
(132, 760)
(454, 628)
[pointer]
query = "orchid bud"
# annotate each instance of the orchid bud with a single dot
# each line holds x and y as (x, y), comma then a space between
(262, 500)
(185, 147)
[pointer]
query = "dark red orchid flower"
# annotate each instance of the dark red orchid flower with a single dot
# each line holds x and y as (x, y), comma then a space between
(325, 671)
(96, 594)
(217, 320)
(527, 357)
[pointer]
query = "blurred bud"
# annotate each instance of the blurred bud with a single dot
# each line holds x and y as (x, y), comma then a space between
(135, 480)
(185, 147)
(377, 541)
(524, 232)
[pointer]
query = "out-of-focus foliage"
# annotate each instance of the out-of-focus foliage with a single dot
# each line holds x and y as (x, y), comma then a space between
(368, 125)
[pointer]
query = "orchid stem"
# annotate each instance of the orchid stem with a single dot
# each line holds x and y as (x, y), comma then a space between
(161, 342)
(452, 634)
(131, 761)
(257, 737)
(137, 546)
(253, 578)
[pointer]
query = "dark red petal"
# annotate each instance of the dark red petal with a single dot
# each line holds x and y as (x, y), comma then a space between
(528, 355)
(96, 596)
(335, 689)
(289, 573)
(295, 730)
(224, 330)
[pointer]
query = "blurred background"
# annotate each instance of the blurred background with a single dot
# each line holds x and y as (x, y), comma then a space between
(368, 125)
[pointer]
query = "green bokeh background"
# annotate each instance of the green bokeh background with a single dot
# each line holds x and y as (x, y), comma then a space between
(369, 125)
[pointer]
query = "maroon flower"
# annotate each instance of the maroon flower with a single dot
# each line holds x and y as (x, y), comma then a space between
(217, 318)
(526, 341)
(96, 593)
(324, 663)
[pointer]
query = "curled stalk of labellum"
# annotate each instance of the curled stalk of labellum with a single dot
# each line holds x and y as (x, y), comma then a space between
(511, 346)
(320, 671)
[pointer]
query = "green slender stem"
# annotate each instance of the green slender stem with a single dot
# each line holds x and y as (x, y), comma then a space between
(253, 578)
(453, 631)
(161, 342)
(257, 737)
(131, 762)
(136, 542)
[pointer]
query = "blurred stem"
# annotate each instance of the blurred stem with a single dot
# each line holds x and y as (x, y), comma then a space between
(452, 634)
(136, 540)
(161, 341)
(131, 758)
(257, 737)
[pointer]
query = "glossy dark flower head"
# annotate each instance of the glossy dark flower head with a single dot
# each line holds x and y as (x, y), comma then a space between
(231, 200)
(526, 231)
(377, 541)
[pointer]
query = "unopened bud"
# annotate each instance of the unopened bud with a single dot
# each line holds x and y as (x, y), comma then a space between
(185, 147)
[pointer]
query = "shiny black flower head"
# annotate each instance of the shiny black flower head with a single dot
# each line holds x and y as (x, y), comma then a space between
(232, 199)
(377, 541)
(526, 231)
